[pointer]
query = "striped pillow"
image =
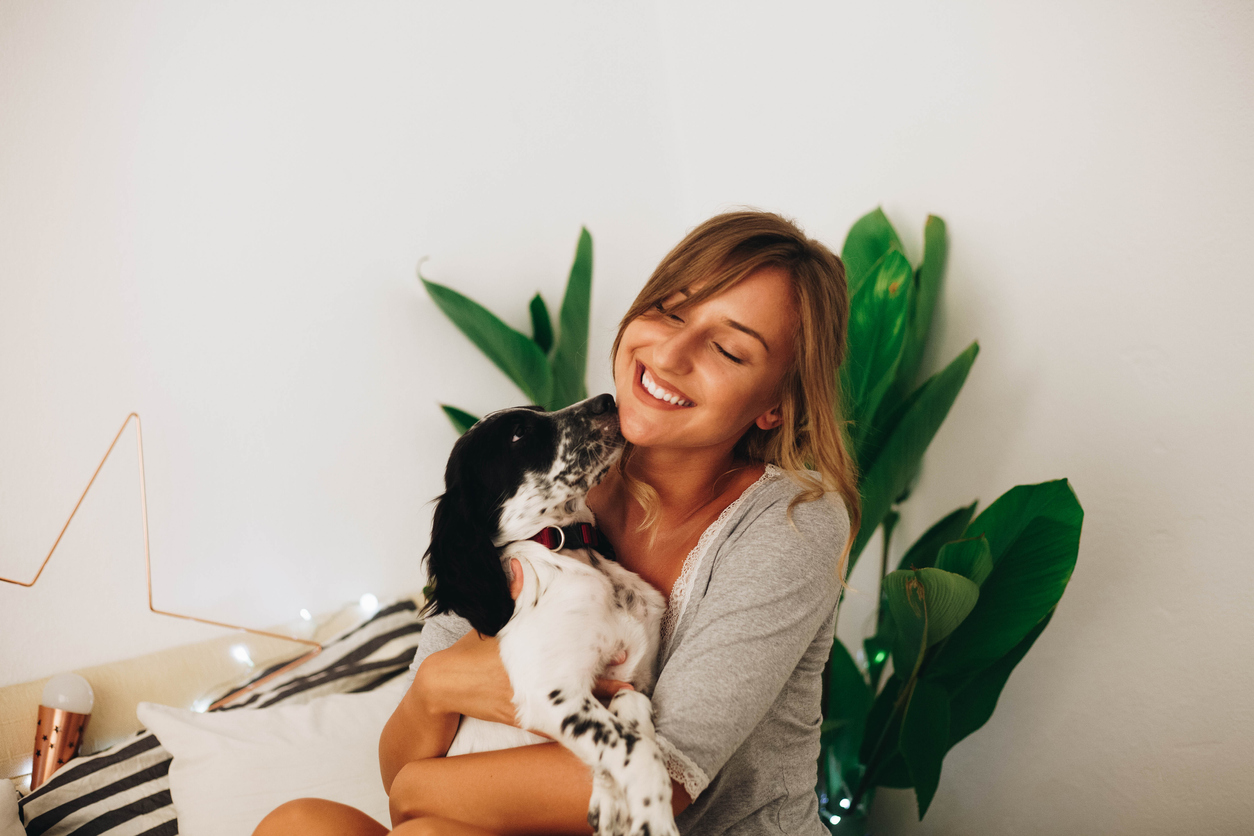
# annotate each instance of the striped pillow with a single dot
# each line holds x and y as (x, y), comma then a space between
(125, 790)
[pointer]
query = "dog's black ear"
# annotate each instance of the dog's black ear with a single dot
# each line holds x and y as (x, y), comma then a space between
(464, 567)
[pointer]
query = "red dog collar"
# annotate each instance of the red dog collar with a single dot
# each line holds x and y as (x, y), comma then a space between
(577, 536)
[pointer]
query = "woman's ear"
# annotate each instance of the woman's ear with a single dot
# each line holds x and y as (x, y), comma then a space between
(770, 419)
(464, 567)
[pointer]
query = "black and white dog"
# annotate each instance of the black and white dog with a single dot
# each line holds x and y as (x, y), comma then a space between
(516, 474)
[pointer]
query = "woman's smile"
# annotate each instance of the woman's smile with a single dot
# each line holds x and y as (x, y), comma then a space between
(659, 394)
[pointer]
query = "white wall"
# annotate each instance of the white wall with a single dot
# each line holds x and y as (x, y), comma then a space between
(211, 214)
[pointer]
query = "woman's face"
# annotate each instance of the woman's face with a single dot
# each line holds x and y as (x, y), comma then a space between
(703, 376)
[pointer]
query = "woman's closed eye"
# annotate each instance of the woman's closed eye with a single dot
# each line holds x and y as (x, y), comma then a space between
(661, 309)
(658, 307)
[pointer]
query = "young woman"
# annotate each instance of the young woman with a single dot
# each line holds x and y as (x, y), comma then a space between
(736, 498)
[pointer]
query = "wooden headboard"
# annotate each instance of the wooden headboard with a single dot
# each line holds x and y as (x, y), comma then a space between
(179, 676)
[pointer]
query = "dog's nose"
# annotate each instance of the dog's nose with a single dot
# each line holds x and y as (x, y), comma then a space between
(601, 404)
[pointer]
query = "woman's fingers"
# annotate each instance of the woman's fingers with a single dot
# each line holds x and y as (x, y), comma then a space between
(606, 688)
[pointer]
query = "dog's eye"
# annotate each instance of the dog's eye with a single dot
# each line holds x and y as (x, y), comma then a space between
(519, 432)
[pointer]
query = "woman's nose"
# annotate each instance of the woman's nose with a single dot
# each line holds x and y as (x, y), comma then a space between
(674, 354)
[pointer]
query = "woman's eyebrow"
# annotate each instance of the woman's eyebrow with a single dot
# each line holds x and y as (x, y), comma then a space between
(739, 326)
(746, 329)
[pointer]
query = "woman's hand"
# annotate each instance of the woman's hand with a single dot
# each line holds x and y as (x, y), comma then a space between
(468, 678)
(465, 678)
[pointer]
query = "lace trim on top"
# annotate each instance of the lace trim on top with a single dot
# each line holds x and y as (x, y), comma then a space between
(680, 592)
(681, 768)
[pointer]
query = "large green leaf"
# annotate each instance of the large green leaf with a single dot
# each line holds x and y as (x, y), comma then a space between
(570, 356)
(868, 240)
(926, 283)
(1003, 521)
(930, 600)
(879, 739)
(970, 558)
(541, 323)
(973, 703)
(461, 419)
(921, 555)
(924, 551)
(925, 739)
(849, 699)
(894, 773)
(1033, 532)
(513, 353)
(881, 428)
(926, 291)
(900, 454)
(877, 329)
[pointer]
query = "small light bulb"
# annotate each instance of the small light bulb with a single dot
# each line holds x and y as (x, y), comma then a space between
(369, 603)
(844, 804)
(69, 692)
(835, 819)
(240, 652)
(880, 657)
(306, 615)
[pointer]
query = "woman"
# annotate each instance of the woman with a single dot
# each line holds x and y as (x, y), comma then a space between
(725, 371)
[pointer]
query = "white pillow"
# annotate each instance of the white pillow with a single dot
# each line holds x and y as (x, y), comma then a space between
(10, 824)
(231, 768)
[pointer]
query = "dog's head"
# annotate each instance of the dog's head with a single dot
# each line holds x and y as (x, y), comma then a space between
(509, 476)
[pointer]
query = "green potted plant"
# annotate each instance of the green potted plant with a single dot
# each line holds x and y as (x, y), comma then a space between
(965, 602)
(550, 370)
(969, 597)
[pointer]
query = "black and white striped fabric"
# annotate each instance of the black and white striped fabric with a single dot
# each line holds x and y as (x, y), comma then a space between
(125, 790)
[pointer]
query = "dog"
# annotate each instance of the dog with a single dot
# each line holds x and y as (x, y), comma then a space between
(516, 474)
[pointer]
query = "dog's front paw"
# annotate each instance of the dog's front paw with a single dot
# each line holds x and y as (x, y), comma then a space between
(651, 814)
(654, 825)
(608, 812)
(648, 792)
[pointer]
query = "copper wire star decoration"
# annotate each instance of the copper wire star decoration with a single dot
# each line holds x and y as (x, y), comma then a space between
(315, 647)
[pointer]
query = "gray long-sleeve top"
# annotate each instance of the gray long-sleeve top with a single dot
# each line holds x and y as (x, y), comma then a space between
(748, 630)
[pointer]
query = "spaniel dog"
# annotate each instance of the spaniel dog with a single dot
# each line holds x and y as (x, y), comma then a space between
(515, 487)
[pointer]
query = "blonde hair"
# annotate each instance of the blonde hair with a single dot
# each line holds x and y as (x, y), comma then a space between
(722, 252)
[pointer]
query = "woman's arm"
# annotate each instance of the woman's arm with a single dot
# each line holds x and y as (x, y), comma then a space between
(531, 789)
(466, 678)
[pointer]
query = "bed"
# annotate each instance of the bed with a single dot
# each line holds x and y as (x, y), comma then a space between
(310, 730)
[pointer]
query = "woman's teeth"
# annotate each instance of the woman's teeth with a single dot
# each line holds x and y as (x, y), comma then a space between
(661, 394)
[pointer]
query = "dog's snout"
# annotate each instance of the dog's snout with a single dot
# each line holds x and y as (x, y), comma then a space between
(601, 404)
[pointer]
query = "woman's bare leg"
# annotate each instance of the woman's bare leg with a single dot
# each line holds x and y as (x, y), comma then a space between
(539, 790)
(438, 827)
(315, 815)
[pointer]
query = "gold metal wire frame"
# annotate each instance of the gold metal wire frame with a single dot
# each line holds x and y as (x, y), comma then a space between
(143, 504)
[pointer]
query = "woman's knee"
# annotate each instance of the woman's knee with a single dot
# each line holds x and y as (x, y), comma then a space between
(431, 826)
(409, 797)
(316, 815)
(418, 827)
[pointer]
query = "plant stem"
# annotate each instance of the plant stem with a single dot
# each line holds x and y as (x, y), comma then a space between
(890, 522)
(903, 699)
